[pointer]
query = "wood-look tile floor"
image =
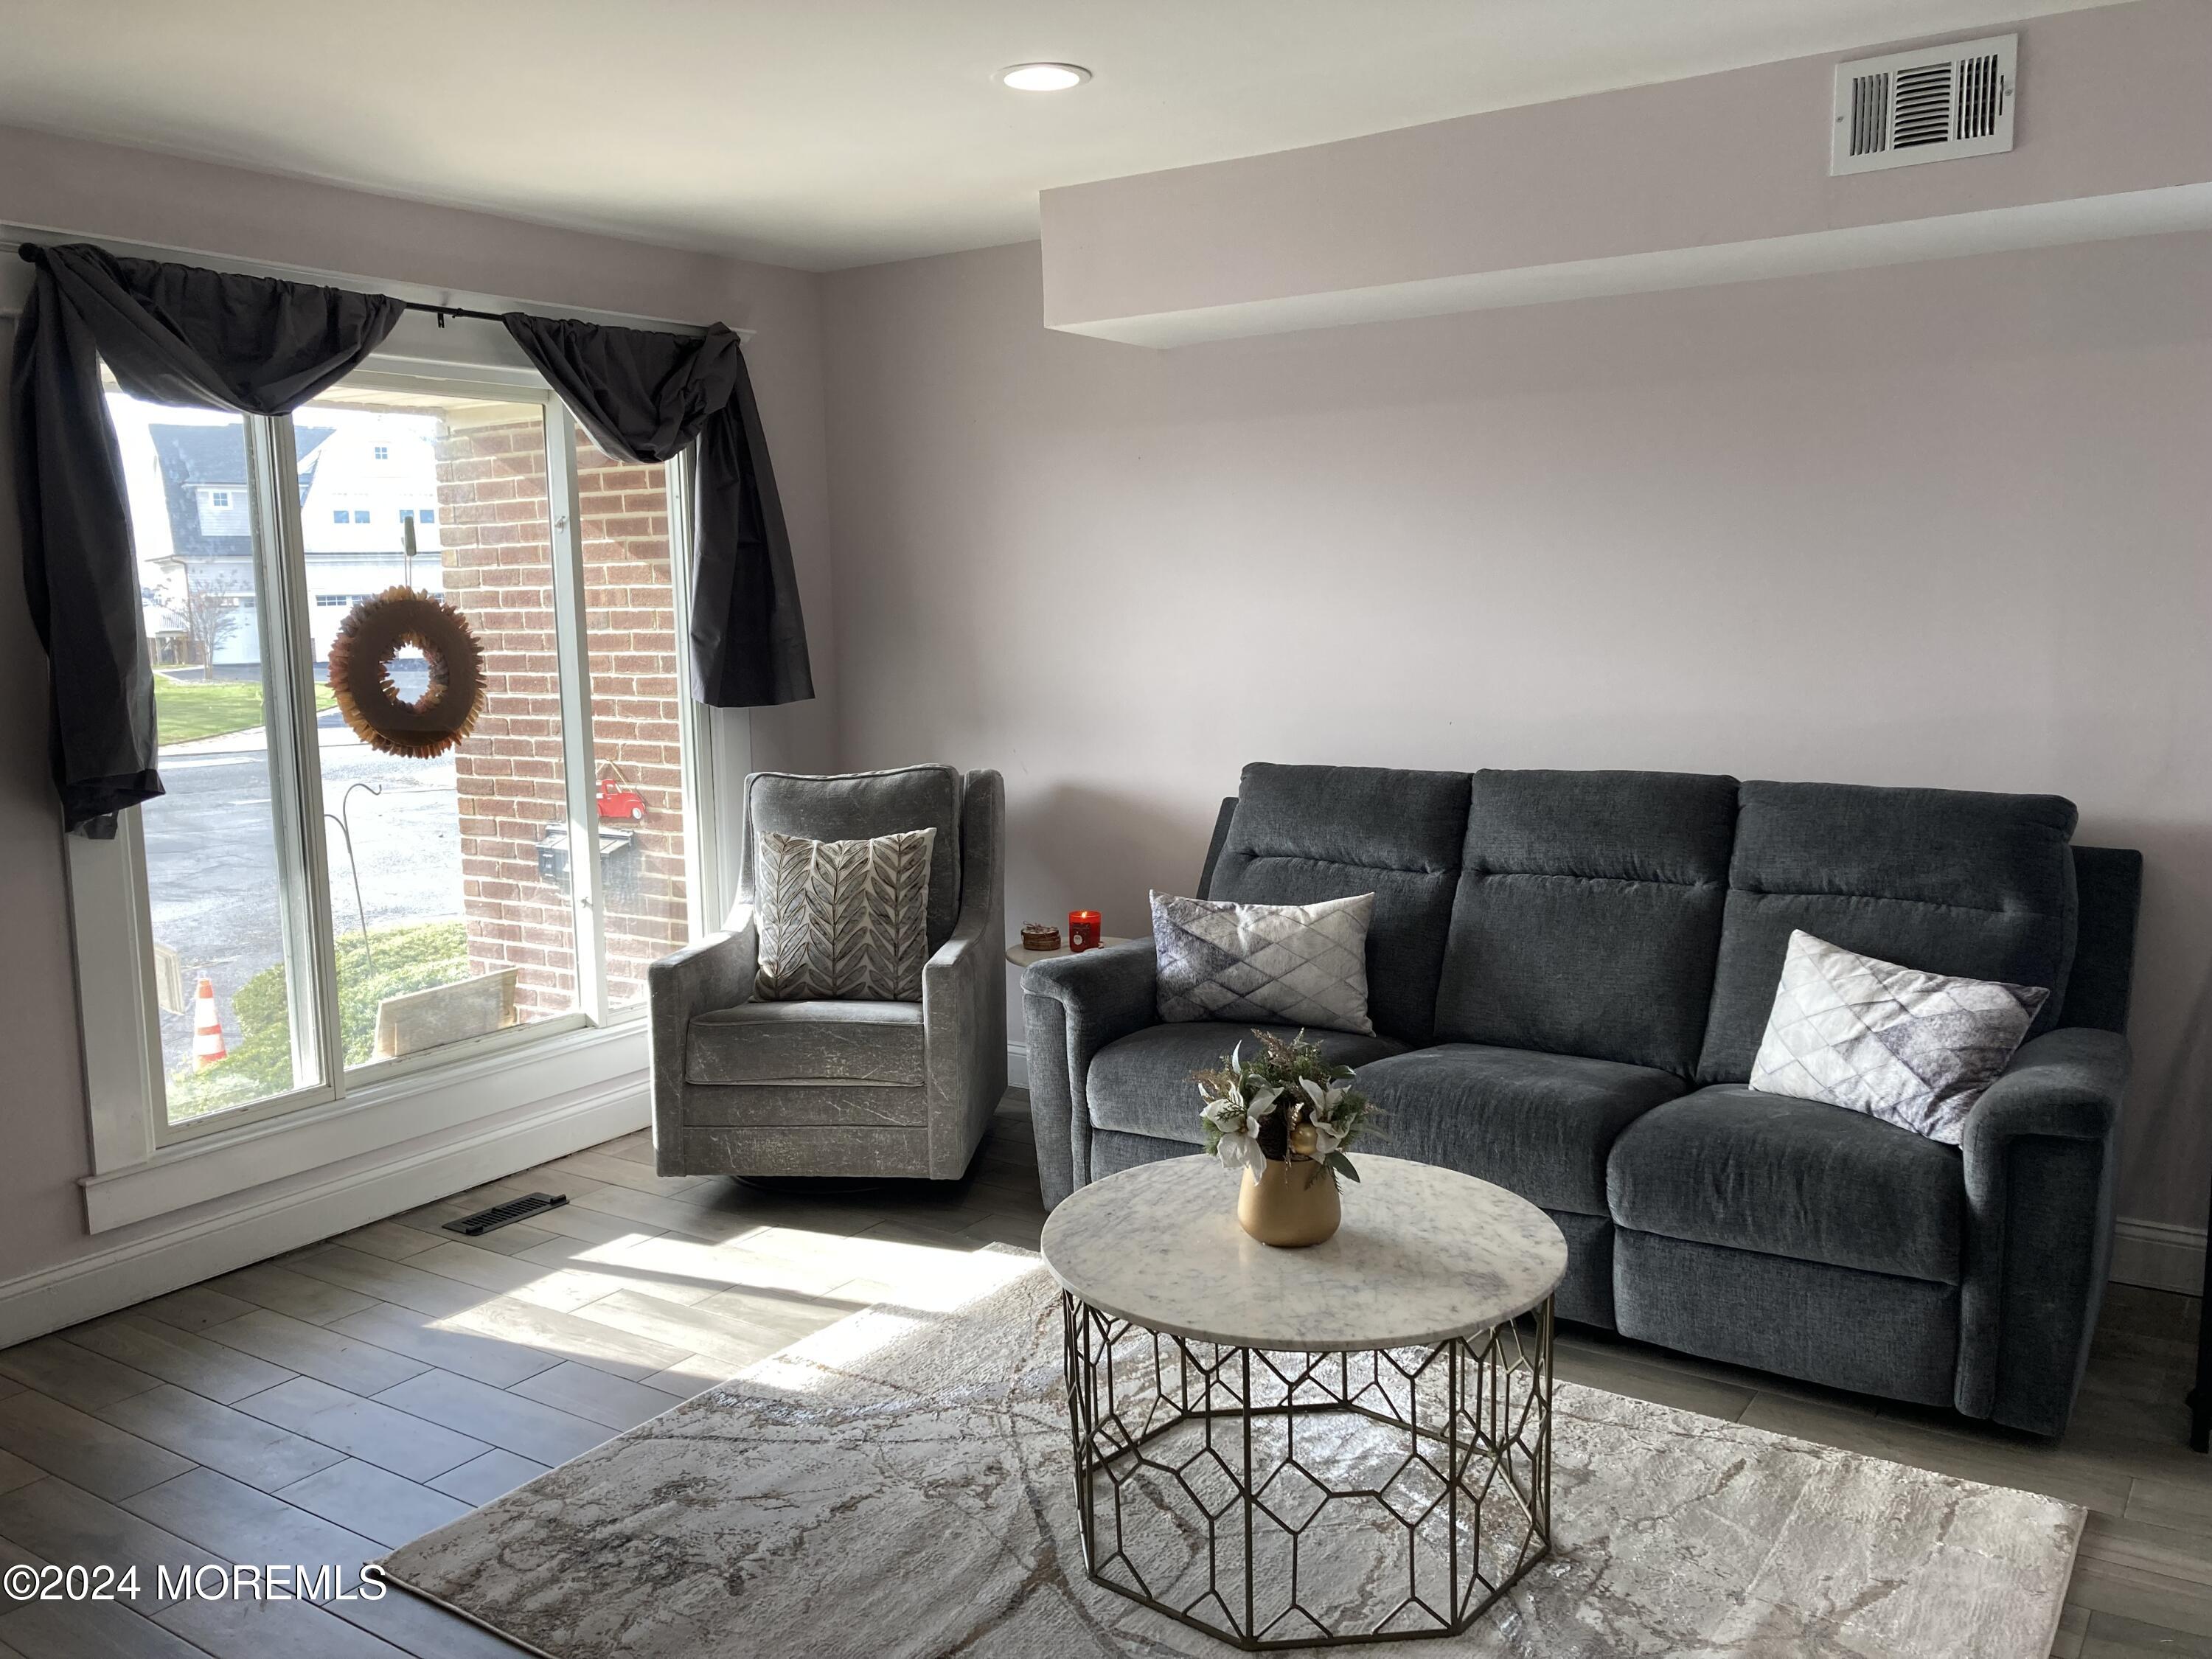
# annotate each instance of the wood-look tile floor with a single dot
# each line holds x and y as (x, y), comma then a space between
(326, 1406)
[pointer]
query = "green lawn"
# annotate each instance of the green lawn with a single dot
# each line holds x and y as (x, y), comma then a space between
(186, 710)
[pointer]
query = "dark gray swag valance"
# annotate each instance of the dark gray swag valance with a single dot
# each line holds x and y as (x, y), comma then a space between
(173, 335)
(176, 334)
(643, 396)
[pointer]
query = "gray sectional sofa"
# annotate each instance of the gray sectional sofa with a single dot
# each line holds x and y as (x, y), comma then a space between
(1569, 973)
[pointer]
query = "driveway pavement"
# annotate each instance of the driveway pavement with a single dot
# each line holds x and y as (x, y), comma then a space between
(211, 858)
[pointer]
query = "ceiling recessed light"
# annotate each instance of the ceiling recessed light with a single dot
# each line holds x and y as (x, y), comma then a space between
(1044, 77)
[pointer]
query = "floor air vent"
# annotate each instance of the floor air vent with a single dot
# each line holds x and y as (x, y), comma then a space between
(1931, 105)
(506, 1215)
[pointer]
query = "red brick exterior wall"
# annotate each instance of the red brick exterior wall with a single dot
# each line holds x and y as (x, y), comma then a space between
(629, 626)
(494, 527)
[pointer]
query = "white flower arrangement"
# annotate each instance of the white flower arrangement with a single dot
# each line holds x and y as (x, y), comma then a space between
(1288, 1102)
(1233, 1114)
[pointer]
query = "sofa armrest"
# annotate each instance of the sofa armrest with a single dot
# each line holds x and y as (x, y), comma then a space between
(2067, 1082)
(963, 988)
(716, 972)
(1073, 1007)
(2039, 1160)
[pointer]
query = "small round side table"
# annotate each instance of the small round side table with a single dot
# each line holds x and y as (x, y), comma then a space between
(1347, 1442)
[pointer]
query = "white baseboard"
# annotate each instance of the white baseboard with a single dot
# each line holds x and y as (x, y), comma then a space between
(1017, 1066)
(2159, 1254)
(34, 1303)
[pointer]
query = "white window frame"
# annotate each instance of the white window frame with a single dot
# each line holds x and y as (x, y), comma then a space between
(709, 884)
(143, 1165)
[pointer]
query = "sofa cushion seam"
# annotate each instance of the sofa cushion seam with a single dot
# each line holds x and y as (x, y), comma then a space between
(1735, 886)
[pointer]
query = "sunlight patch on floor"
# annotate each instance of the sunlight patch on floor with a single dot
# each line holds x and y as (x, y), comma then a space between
(937, 1282)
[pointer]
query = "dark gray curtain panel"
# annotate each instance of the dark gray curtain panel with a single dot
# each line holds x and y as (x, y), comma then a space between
(172, 334)
(643, 396)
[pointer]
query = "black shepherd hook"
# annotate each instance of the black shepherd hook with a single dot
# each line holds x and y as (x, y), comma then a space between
(343, 818)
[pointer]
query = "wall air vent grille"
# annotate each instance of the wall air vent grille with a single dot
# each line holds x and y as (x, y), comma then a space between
(1932, 105)
(1870, 113)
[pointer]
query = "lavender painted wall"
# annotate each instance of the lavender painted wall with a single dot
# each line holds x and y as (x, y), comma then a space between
(2111, 101)
(98, 190)
(1944, 524)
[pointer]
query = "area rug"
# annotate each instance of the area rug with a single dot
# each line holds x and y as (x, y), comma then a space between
(899, 1485)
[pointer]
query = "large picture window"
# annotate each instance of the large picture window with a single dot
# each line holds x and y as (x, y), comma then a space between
(319, 914)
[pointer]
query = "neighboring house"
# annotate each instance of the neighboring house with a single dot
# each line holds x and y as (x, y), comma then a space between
(359, 487)
(166, 635)
(207, 579)
(369, 482)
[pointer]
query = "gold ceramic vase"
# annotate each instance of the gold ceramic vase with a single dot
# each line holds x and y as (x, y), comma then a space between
(1289, 1203)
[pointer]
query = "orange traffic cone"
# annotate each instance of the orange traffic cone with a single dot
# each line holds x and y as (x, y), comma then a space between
(206, 1028)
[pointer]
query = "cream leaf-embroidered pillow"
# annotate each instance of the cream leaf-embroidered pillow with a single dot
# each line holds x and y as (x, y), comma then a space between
(842, 918)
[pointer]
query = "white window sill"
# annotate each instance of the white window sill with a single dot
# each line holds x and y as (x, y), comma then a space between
(373, 1120)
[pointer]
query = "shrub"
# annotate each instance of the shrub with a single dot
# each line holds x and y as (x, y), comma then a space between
(392, 961)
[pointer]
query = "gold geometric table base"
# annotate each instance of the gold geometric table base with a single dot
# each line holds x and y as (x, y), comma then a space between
(1287, 1500)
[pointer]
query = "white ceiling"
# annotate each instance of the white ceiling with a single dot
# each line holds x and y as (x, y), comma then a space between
(844, 132)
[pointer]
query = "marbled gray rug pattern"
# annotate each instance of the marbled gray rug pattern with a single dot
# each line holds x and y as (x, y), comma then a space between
(898, 1485)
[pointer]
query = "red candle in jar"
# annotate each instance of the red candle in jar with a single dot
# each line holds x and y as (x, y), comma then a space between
(1082, 929)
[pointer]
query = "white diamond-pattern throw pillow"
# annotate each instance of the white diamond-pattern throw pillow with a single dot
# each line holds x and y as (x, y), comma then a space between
(1913, 1049)
(842, 918)
(1288, 964)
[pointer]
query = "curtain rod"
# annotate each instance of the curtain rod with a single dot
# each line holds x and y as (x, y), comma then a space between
(443, 312)
(439, 311)
(19, 237)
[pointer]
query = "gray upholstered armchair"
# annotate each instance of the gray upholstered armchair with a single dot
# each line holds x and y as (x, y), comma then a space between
(744, 1087)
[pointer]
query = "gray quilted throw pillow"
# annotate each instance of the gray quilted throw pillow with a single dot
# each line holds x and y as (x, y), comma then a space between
(1287, 964)
(842, 918)
(1911, 1048)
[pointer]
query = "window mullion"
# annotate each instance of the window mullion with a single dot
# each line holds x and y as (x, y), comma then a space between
(706, 887)
(575, 676)
(288, 656)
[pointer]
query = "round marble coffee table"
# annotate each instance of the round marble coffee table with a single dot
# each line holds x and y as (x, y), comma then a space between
(1286, 1448)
